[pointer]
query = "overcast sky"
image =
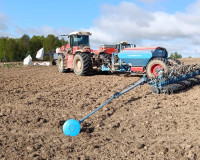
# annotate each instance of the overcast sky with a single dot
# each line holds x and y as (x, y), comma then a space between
(173, 24)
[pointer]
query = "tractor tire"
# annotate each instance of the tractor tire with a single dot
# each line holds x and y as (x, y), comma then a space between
(154, 65)
(82, 64)
(54, 62)
(60, 63)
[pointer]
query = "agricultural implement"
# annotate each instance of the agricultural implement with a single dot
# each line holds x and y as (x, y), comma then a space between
(176, 79)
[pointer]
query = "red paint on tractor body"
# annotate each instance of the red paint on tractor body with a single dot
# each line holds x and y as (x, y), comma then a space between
(103, 49)
(70, 53)
(106, 50)
(81, 49)
(70, 58)
(137, 69)
(67, 46)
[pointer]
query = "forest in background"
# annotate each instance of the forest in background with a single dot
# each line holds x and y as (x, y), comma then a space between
(16, 49)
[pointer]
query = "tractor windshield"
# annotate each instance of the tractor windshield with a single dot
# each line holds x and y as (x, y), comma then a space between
(126, 46)
(81, 40)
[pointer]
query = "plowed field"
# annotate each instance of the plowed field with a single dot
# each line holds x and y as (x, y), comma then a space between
(36, 100)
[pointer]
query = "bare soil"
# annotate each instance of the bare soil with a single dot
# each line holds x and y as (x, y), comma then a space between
(36, 100)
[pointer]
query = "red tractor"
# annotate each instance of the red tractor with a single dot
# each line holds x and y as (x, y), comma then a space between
(79, 57)
(76, 55)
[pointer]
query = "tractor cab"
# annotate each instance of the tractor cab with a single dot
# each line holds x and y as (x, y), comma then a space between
(79, 41)
(76, 55)
(122, 45)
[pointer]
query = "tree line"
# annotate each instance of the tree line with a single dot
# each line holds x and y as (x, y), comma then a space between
(175, 55)
(16, 49)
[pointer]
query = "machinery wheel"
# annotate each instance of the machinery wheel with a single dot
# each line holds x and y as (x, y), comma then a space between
(82, 64)
(54, 62)
(155, 64)
(174, 62)
(60, 63)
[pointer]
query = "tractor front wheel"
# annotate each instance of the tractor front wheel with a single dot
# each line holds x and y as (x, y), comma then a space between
(60, 63)
(82, 64)
(155, 65)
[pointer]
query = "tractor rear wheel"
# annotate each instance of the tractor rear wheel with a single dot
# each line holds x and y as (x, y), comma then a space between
(155, 65)
(60, 63)
(82, 64)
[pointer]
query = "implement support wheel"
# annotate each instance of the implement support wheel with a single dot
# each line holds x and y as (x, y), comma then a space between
(155, 65)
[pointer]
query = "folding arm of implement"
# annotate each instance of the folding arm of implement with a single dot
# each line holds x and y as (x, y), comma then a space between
(72, 127)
